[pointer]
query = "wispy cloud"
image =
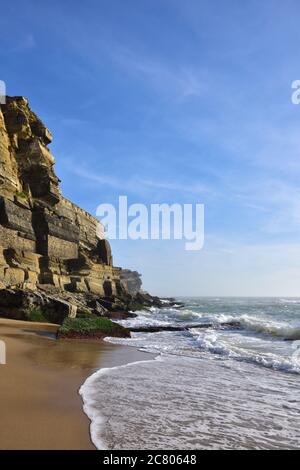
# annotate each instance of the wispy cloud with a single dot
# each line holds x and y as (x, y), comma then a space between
(74, 122)
(137, 184)
(104, 180)
(281, 203)
(184, 81)
(27, 42)
(175, 186)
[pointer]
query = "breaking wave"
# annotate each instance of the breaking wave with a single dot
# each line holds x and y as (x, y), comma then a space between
(278, 329)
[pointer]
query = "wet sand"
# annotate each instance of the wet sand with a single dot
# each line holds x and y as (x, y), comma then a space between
(40, 407)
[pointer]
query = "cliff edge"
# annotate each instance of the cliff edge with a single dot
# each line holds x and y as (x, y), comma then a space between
(53, 254)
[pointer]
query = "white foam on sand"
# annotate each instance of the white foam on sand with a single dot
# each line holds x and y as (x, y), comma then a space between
(206, 389)
(191, 403)
(90, 396)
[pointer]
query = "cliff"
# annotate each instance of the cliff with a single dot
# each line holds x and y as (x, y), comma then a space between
(48, 245)
(55, 263)
(131, 280)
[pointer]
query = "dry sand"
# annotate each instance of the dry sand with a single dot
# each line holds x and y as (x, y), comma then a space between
(40, 407)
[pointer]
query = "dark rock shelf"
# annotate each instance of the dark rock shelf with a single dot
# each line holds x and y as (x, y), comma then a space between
(156, 329)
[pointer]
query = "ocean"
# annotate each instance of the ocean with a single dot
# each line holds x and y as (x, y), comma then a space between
(218, 387)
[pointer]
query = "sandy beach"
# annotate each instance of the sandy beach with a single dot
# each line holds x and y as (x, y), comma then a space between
(40, 406)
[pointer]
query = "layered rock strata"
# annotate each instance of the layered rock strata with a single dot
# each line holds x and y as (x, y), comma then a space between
(47, 243)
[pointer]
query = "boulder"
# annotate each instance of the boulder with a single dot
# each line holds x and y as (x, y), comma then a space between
(19, 303)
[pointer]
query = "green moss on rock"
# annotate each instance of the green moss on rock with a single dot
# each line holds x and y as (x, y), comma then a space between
(22, 194)
(91, 326)
(35, 314)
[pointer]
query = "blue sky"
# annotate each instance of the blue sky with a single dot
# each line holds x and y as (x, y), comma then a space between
(177, 102)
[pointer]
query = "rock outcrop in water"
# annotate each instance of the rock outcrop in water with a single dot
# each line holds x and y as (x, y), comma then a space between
(52, 252)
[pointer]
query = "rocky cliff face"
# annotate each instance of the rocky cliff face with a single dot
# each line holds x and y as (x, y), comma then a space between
(46, 241)
(131, 280)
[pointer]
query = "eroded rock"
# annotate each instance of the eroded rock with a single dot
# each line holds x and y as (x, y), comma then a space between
(53, 254)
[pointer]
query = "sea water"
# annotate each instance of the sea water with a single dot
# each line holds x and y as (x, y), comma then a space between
(208, 388)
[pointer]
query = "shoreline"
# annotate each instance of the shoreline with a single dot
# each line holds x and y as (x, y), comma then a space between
(41, 408)
(87, 393)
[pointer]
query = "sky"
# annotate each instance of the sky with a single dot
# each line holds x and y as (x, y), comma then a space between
(167, 101)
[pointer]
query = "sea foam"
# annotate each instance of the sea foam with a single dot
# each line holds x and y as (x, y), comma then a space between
(192, 403)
